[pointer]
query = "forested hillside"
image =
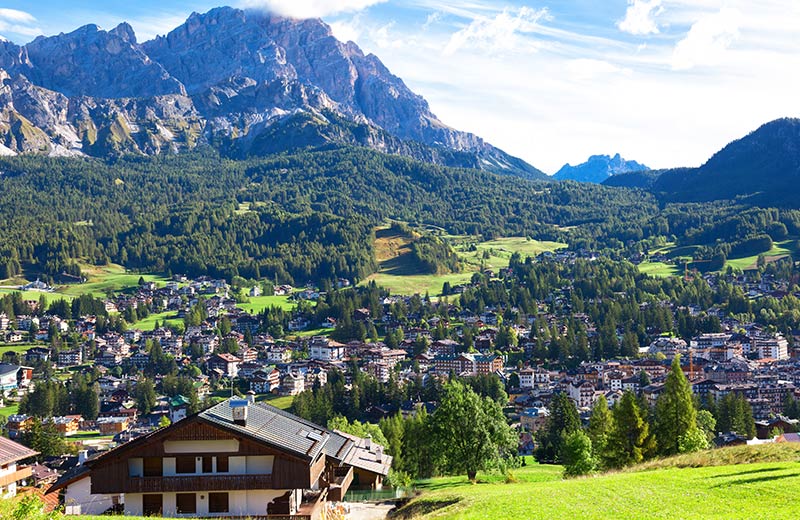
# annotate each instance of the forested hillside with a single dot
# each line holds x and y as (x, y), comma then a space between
(307, 216)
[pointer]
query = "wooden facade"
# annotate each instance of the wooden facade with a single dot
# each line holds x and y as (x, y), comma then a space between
(111, 474)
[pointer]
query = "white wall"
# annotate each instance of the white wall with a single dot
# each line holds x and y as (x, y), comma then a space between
(260, 465)
(237, 465)
(79, 500)
(240, 503)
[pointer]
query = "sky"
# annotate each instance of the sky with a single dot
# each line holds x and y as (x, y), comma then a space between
(664, 82)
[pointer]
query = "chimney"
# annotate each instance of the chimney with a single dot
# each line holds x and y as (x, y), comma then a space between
(368, 444)
(378, 453)
(251, 397)
(82, 456)
(239, 411)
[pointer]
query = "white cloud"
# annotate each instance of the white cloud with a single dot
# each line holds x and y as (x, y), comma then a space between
(18, 22)
(502, 33)
(640, 17)
(583, 69)
(708, 40)
(310, 8)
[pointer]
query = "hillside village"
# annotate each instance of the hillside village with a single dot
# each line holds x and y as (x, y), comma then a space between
(221, 350)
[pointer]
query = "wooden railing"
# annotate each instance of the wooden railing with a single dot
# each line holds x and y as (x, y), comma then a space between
(22, 473)
(197, 483)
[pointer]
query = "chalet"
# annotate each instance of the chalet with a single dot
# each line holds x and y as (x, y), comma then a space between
(255, 291)
(66, 425)
(236, 459)
(11, 474)
(112, 425)
(18, 424)
(228, 364)
(4, 321)
(265, 380)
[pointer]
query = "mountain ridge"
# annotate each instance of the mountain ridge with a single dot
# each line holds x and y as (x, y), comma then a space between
(223, 76)
(762, 167)
(598, 168)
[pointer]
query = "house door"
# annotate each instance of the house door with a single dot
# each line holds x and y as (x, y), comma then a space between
(152, 505)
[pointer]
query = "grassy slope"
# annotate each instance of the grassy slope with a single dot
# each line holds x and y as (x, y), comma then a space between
(398, 274)
(747, 491)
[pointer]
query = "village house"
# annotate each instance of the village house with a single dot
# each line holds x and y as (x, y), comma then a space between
(236, 459)
(11, 475)
(226, 364)
(324, 349)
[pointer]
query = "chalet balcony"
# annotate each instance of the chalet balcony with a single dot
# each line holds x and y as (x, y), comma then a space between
(22, 473)
(187, 483)
(340, 479)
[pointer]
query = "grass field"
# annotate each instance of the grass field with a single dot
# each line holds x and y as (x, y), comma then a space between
(9, 410)
(259, 303)
(746, 491)
(779, 250)
(399, 274)
(659, 269)
(19, 349)
(284, 402)
(495, 254)
(149, 323)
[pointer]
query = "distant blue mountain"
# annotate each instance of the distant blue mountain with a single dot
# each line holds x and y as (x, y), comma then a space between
(598, 168)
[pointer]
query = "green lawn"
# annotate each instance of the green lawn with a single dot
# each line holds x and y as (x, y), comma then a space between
(18, 348)
(9, 410)
(746, 491)
(659, 269)
(495, 254)
(418, 283)
(259, 303)
(149, 323)
(284, 402)
(779, 250)
(89, 436)
(105, 279)
(35, 295)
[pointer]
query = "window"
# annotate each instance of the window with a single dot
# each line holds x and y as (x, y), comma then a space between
(222, 464)
(184, 465)
(152, 505)
(186, 502)
(207, 467)
(153, 467)
(217, 502)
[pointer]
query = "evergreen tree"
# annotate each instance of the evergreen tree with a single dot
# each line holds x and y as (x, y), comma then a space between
(675, 412)
(600, 425)
(629, 438)
(563, 420)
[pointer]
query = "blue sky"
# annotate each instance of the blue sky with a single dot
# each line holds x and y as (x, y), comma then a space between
(665, 82)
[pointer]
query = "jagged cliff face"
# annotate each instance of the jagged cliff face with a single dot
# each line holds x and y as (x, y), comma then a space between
(246, 81)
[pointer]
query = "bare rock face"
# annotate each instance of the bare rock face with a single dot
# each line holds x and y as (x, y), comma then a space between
(242, 78)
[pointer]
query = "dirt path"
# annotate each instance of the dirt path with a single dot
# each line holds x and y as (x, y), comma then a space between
(369, 510)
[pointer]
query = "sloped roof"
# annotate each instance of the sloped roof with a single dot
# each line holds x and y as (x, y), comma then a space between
(11, 451)
(266, 424)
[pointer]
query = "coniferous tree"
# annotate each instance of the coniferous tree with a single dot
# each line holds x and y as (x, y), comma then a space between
(675, 413)
(600, 425)
(563, 420)
(629, 439)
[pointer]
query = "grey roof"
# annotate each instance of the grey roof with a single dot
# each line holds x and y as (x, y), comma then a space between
(6, 368)
(11, 451)
(372, 458)
(272, 426)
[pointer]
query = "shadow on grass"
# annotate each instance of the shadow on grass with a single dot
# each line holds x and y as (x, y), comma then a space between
(422, 507)
(750, 472)
(755, 480)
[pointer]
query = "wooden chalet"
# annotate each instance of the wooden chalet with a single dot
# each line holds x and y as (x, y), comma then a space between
(236, 459)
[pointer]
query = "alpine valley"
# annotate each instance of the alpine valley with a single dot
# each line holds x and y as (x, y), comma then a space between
(248, 205)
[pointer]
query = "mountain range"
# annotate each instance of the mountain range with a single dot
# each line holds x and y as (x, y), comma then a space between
(244, 81)
(762, 168)
(598, 168)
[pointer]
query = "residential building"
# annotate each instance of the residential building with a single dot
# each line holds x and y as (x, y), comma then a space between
(10, 473)
(236, 459)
